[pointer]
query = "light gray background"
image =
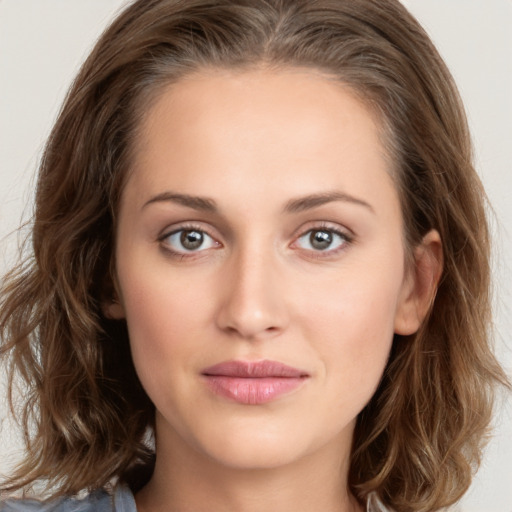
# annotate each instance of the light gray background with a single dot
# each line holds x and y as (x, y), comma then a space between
(42, 43)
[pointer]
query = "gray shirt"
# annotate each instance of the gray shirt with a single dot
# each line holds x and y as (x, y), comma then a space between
(121, 500)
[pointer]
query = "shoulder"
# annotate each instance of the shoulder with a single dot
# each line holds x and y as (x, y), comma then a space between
(121, 500)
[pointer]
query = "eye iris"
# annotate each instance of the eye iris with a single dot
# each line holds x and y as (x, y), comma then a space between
(191, 240)
(320, 239)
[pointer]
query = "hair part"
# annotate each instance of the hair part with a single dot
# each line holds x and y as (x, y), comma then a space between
(87, 417)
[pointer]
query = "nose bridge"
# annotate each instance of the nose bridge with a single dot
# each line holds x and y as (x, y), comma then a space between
(253, 304)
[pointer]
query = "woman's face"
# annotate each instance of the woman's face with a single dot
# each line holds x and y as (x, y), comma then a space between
(260, 224)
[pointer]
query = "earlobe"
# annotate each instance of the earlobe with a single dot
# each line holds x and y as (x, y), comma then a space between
(113, 310)
(111, 305)
(420, 285)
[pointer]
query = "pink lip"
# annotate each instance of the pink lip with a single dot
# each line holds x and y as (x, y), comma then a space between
(253, 383)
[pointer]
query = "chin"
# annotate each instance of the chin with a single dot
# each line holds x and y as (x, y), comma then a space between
(266, 446)
(259, 455)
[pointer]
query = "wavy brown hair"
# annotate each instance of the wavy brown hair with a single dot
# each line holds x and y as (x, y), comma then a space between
(86, 416)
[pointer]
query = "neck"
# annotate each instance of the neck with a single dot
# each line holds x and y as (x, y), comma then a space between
(185, 479)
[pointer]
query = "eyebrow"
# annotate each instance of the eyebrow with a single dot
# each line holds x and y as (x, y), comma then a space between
(300, 204)
(204, 204)
(314, 200)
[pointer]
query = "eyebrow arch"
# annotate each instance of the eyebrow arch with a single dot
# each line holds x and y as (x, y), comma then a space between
(204, 204)
(314, 200)
(293, 206)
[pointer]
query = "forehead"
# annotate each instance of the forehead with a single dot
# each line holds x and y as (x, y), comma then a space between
(261, 97)
(297, 129)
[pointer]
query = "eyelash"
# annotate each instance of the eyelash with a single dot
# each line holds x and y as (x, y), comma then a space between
(182, 255)
(346, 239)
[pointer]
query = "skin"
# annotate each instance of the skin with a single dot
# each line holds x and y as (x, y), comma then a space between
(253, 142)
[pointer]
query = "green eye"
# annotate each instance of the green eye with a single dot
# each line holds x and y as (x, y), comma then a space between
(322, 240)
(189, 240)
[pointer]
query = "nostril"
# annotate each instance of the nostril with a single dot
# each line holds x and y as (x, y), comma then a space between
(251, 308)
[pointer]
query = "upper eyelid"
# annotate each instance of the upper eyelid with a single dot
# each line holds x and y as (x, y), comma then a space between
(338, 232)
(327, 226)
(298, 233)
(184, 254)
(348, 237)
(185, 226)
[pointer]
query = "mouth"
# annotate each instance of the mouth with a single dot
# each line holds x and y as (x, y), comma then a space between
(253, 383)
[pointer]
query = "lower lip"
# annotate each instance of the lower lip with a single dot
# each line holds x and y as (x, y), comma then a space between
(252, 391)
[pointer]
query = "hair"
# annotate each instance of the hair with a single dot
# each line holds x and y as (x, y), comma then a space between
(86, 417)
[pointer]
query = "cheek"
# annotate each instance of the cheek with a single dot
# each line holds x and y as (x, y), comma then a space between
(162, 320)
(352, 322)
(356, 304)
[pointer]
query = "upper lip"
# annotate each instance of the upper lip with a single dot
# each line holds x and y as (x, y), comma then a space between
(253, 369)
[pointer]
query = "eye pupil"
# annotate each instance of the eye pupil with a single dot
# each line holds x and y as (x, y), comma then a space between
(191, 240)
(320, 239)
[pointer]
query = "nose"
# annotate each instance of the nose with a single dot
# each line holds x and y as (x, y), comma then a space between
(253, 296)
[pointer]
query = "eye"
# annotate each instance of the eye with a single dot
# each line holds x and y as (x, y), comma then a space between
(188, 240)
(322, 240)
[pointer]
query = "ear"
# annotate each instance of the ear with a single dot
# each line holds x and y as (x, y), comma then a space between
(420, 284)
(113, 309)
(111, 305)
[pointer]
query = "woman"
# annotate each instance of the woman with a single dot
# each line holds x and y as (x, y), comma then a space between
(258, 237)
